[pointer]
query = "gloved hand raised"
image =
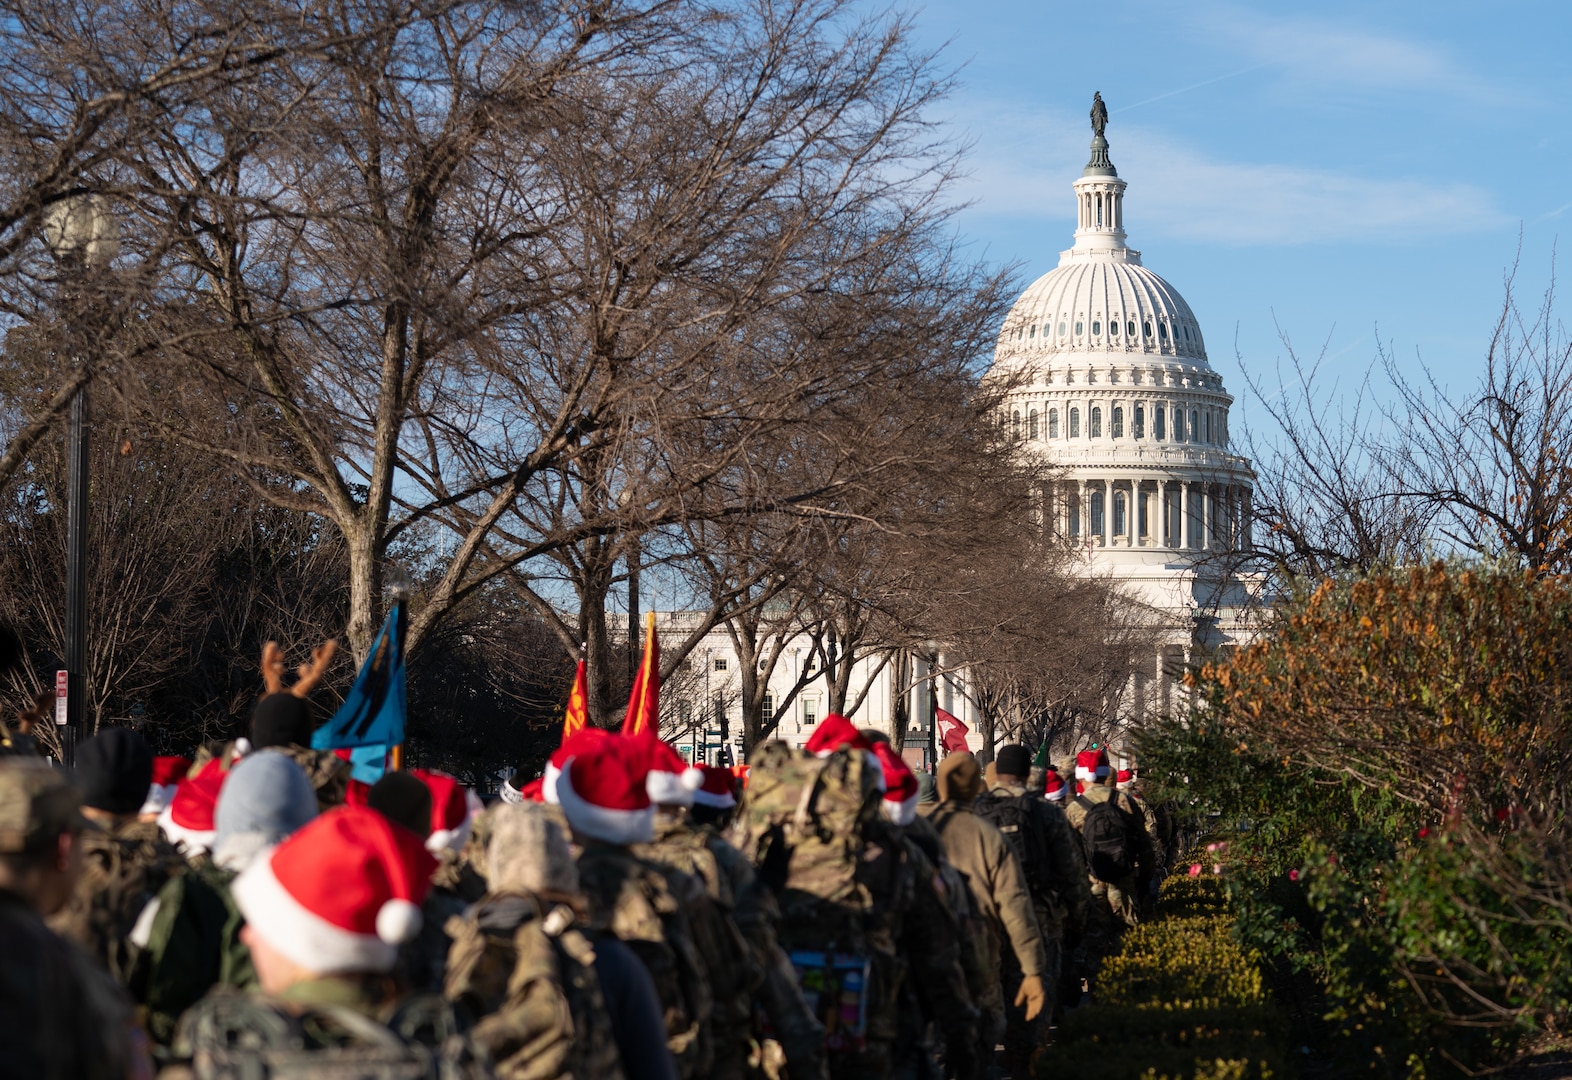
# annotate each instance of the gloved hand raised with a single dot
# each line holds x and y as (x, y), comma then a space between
(1032, 995)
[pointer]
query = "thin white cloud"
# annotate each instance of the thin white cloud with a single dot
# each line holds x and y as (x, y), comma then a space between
(1178, 191)
(1345, 59)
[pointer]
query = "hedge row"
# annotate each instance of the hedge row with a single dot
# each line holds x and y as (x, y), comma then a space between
(1181, 1001)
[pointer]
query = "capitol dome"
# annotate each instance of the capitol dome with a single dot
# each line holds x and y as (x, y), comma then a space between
(1109, 380)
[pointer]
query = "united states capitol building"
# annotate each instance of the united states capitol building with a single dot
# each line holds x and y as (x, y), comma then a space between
(1109, 383)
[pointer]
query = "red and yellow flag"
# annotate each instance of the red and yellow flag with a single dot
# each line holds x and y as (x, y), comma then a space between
(644, 700)
(576, 718)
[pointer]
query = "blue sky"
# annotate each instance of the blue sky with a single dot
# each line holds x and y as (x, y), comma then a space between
(1332, 169)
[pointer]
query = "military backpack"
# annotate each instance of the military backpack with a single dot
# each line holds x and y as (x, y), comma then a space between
(522, 968)
(1105, 837)
(1019, 818)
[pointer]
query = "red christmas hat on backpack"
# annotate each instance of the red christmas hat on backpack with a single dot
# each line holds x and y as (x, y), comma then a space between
(188, 819)
(341, 894)
(671, 780)
(1053, 789)
(719, 789)
(167, 774)
(603, 794)
(1091, 765)
(453, 810)
(580, 741)
(899, 804)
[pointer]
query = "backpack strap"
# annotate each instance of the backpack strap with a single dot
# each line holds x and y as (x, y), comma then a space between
(1084, 803)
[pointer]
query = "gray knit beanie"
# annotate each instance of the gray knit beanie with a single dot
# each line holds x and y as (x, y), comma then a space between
(266, 797)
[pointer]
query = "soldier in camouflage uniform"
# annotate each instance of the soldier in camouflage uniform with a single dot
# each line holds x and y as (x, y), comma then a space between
(861, 912)
(323, 958)
(658, 912)
(1114, 903)
(520, 963)
(747, 931)
(1157, 869)
(60, 1014)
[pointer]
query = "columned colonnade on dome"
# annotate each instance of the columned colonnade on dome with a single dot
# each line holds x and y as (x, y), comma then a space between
(1136, 511)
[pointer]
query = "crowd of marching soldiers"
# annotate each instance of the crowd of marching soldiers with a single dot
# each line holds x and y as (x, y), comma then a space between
(256, 912)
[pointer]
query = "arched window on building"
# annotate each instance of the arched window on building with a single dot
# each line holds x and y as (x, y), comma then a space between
(1075, 423)
(1120, 506)
(1178, 425)
(1138, 428)
(1195, 426)
(1208, 425)
(1031, 425)
(1095, 422)
(1075, 515)
(1097, 513)
(1053, 423)
(1015, 425)
(1159, 415)
(1116, 422)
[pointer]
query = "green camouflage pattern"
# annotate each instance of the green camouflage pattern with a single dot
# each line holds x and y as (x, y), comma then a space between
(653, 909)
(524, 967)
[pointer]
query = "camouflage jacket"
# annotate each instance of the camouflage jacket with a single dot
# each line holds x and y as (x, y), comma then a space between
(1075, 813)
(660, 913)
(122, 871)
(328, 773)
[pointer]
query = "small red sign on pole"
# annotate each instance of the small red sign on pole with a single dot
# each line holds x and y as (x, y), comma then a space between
(62, 696)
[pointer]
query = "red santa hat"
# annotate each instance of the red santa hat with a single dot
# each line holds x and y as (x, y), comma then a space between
(899, 804)
(719, 788)
(341, 894)
(188, 819)
(671, 780)
(1091, 765)
(453, 810)
(833, 733)
(357, 793)
(603, 794)
(167, 774)
(1054, 789)
(579, 742)
(1125, 778)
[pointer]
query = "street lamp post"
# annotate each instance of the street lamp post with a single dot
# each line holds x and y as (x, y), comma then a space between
(933, 706)
(83, 235)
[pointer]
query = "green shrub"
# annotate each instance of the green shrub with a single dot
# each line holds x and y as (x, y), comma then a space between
(1183, 896)
(1181, 961)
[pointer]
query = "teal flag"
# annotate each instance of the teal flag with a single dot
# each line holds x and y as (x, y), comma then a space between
(371, 720)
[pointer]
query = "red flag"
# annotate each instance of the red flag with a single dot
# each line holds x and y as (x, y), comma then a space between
(644, 699)
(952, 733)
(576, 717)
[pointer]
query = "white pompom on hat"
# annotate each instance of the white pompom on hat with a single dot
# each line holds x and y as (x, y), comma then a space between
(671, 780)
(341, 895)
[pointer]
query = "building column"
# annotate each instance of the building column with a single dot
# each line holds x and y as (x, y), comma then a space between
(1107, 513)
(1184, 515)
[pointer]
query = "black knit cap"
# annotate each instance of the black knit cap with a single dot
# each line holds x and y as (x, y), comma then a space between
(281, 719)
(114, 769)
(403, 800)
(1012, 760)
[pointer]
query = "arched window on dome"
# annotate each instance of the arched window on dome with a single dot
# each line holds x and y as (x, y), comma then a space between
(1015, 425)
(1061, 329)
(1138, 427)
(1031, 425)
(1097, 514)
(1195, 426)
(1119, 513)
(1075, 423)
(1146, 329)
(1129, 328)
(1178, 425)
(1053, 423)
(1117, 422)
(1113, 327)
(1079, 328)
(1208, 425)
(1159, 414)
(1162, 331)
(1095, 423)
(1097, 328)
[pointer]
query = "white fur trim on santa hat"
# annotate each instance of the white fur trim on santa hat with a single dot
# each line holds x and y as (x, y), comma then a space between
(308, 939)
(193, 842)
(159, 796)
(719, 802)
(599, 822)
(1056, 795)
(900, 813)
(548, 787)
(455, 838)
(510, 794)
(674, 789)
